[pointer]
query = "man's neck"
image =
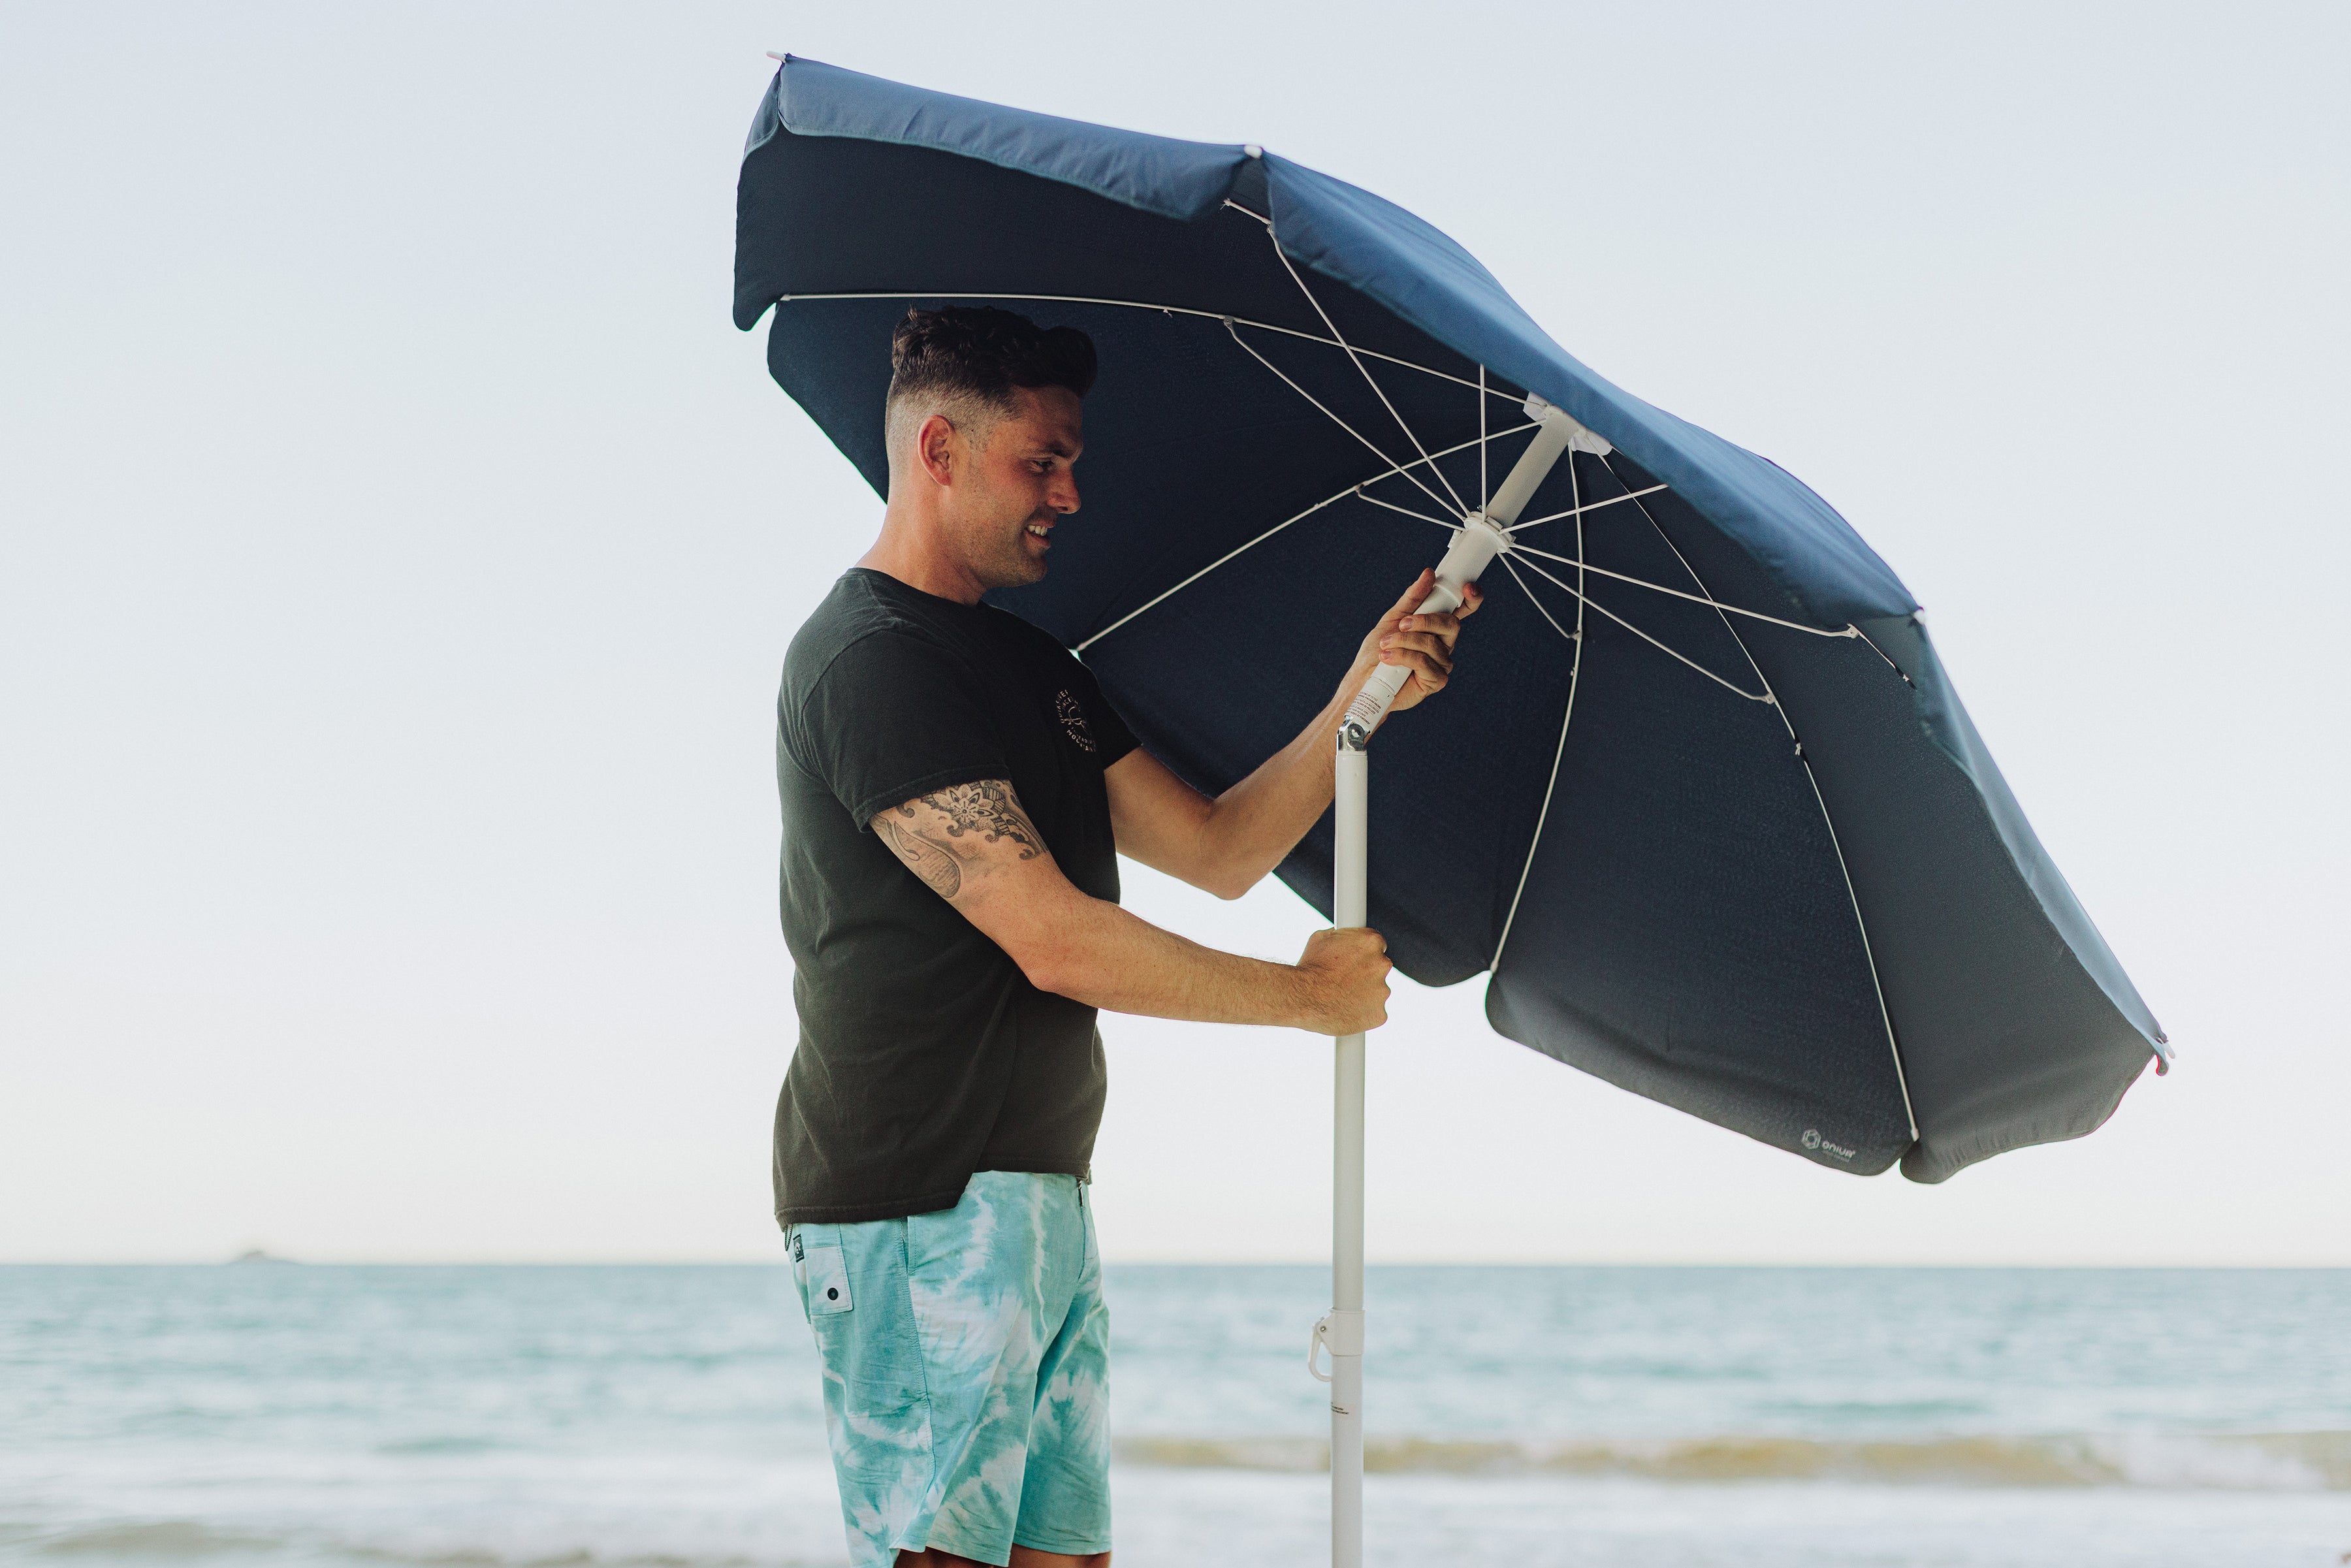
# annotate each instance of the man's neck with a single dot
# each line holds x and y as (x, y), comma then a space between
(910, 550)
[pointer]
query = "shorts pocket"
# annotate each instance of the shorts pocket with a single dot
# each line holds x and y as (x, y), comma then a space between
(822, 1274)
(870, 1358)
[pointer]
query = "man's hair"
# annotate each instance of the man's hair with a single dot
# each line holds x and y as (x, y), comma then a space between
(973, 356)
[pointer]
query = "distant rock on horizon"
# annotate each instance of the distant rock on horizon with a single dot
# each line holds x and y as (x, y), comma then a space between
(256, 1255)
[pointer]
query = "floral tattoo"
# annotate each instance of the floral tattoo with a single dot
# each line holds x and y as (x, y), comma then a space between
(985, 811)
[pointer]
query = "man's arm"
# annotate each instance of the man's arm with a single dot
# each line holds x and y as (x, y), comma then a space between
(976, 848)
(1226, 845)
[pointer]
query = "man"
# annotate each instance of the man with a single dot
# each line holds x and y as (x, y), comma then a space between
(956, 794)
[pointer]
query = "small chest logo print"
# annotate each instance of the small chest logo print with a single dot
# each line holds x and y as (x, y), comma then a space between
(1074, 719)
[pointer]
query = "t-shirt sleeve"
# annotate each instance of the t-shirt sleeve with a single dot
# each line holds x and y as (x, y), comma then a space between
(1112, 736)
(894, 716)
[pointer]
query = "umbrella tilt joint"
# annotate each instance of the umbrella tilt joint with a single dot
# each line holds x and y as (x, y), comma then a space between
(1483, 534)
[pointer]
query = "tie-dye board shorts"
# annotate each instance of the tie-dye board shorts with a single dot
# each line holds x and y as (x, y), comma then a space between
(967, 1359)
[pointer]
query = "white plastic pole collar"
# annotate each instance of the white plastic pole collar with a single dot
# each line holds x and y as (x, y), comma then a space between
(1583, 437)
(1341, 1333)
(1473, 549)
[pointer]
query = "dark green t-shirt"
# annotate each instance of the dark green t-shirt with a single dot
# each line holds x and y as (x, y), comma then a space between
(925, 1054)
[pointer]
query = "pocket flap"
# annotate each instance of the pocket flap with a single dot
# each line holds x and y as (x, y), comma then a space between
(823, 1277)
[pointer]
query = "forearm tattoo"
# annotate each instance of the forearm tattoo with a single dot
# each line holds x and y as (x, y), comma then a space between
(981, 813)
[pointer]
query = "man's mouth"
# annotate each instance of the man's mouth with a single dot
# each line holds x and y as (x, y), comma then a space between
(1041, 531)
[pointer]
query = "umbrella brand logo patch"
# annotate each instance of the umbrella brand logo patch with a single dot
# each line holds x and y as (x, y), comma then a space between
(1813, 1140)
(1074, 719)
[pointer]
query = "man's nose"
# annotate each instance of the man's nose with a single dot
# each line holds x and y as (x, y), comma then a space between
(1063, 495)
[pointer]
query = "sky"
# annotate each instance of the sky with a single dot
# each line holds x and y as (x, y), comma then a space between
(399, 545)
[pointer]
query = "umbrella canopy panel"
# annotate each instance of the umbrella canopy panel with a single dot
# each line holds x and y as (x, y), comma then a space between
(1700, 796)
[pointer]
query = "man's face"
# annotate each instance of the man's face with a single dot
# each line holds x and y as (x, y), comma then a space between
(1010, 491)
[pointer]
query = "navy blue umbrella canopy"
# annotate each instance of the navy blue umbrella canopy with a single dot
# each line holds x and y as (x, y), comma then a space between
(1700, 796)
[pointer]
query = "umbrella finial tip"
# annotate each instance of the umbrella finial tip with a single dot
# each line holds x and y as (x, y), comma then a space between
(1252, 149)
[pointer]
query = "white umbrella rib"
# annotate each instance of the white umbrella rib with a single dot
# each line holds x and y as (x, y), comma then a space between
(1354, 354)
(1762, 696)
(1513, 399)
(1355, 358)
(1517, 548)
(1484, 494)
(1325, 411)
(1861, 925)
(1579, 511)
(1566, 718)
(1407, 511)
(1329, 500)
(1541, 607)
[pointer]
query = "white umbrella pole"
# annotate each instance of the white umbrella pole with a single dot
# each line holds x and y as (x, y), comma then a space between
(1484, 535)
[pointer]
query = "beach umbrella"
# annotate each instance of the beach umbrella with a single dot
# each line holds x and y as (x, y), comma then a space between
(1700, 802)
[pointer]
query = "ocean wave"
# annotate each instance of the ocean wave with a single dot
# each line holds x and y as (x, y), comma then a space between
(164, 1539)
(2289, 1461)
(161, 1538)
(437, 1447)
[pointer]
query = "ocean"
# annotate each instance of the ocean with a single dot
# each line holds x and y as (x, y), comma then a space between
(296, 1416)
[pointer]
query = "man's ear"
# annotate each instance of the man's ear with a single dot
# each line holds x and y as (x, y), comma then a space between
(935, 449)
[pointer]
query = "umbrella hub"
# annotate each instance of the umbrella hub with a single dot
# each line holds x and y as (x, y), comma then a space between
(1473, 525)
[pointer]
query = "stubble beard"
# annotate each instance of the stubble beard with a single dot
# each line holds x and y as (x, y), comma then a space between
(1010, 562)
